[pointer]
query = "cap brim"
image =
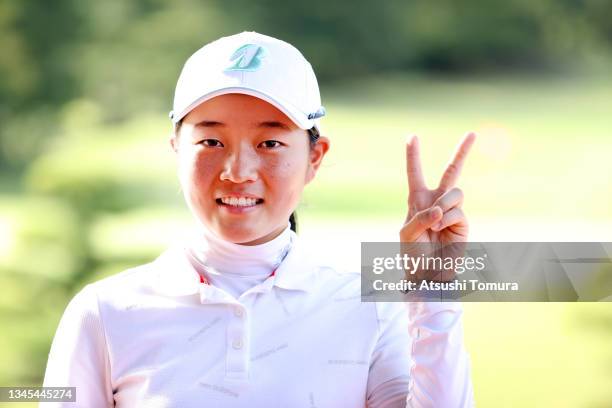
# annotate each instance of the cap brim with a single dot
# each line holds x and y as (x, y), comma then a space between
(298, 117)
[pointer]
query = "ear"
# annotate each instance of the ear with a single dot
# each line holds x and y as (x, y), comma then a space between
(317, 152)
(173, 142)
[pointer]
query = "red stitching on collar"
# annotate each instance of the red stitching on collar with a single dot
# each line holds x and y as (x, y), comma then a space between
(203, 280)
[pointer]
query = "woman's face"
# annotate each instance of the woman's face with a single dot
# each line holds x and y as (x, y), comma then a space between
(243, 165)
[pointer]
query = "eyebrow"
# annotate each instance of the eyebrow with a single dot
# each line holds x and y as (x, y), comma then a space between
(269, 124)
(210, 123)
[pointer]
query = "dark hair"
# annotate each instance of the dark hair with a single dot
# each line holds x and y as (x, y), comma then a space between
(313, 136)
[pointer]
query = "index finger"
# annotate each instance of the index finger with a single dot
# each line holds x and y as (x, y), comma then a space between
(413, 165)
(452, 172)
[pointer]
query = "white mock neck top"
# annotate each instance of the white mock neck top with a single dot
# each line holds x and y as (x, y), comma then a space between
(235, 268)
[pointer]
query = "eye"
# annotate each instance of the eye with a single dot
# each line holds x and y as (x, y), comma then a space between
(210, 143)
(270, 144)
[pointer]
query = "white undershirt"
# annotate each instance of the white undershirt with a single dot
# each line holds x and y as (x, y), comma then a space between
(236, 268)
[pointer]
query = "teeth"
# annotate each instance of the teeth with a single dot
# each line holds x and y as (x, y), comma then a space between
(239, 202)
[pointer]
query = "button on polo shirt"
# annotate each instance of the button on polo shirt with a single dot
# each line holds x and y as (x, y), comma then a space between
(156, 336)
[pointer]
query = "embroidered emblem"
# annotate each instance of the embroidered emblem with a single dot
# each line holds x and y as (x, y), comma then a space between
(248, 58)
(318, 114)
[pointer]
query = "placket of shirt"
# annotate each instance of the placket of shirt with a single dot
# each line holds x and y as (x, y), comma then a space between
(237, 356)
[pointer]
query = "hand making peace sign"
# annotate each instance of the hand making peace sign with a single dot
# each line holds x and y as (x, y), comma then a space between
(435, 215)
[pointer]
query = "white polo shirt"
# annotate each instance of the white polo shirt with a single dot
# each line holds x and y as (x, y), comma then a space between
(157, 336)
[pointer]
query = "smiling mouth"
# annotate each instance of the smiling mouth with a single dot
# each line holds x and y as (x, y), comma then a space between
(239, 202)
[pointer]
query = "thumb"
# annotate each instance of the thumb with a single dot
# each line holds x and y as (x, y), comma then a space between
(419, 223)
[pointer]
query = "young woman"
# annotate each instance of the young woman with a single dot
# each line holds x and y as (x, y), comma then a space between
(241, 314)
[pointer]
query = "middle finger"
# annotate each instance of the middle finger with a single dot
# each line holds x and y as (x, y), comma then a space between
(451, 174)
(451, 198)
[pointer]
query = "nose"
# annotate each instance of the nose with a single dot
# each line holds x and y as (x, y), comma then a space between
(240, 165)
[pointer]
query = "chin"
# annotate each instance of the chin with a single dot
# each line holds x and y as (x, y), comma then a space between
(239, 235)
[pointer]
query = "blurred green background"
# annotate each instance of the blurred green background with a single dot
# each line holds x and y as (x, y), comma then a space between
(87, 178)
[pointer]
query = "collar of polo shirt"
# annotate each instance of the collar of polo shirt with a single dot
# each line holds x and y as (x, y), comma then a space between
(174, 275)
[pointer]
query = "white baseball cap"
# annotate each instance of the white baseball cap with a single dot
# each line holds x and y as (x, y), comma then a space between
(253, 64)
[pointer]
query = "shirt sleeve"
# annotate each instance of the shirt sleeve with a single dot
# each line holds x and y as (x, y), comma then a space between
(79, 357)
(420, 360)
(389, 375)
(440, 375)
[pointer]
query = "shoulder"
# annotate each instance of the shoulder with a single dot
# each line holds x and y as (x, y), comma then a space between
(123, 288)
(128, 279)
(308, 269)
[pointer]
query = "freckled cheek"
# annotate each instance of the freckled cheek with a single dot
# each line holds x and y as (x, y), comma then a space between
(286, 180)
(198, 175)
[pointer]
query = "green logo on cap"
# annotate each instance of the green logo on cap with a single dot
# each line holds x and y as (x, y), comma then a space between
(248, 58)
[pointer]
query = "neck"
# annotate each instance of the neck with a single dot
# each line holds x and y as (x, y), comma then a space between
(218, 256)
